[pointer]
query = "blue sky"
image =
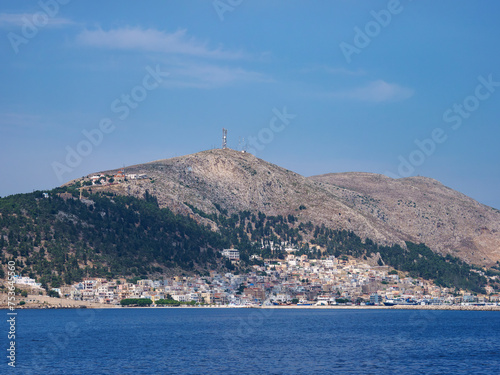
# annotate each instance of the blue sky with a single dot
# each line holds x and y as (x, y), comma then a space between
(394, 87)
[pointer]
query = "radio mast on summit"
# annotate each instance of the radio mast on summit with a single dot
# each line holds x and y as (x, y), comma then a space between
(224, 138)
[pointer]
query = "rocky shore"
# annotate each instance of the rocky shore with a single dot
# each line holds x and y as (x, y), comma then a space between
(45, 302)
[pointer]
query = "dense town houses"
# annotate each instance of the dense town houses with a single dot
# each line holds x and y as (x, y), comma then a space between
(295, 280)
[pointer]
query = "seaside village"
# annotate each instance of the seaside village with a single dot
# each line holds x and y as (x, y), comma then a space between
(296, 280)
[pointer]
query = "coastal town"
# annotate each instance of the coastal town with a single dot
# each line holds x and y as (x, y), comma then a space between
(296, 280)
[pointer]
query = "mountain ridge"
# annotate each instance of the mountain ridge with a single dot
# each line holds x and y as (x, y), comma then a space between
(388, 211)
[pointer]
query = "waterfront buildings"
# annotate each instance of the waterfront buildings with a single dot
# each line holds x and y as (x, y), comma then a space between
(297, 278)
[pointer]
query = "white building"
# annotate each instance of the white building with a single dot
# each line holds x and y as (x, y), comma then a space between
(24, 280)
(231, 254)
(181, 297)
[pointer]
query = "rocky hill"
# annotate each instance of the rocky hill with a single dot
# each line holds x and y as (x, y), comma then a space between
(422, 210)
(386, 210)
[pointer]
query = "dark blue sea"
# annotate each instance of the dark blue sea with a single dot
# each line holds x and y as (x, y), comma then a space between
(254, 341)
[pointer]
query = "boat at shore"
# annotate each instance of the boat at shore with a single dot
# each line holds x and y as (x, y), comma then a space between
(398, 302)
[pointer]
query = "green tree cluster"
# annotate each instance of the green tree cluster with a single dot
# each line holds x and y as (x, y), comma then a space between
(136, 302)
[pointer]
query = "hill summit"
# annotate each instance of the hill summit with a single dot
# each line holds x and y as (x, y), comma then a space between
(385, 210)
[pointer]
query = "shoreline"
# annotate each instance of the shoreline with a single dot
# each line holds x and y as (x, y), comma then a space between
(34, 302)
(98, 306)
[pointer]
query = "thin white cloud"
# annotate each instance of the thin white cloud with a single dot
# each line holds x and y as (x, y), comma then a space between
(151, 40)
(16, 20)
(189, 61)
(377, 92)
(205, 76)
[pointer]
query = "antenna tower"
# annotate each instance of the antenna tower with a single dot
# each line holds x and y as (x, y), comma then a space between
(224, 138)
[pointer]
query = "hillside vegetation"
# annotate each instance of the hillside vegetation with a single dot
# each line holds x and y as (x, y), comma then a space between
(60, 239)
(388, 211)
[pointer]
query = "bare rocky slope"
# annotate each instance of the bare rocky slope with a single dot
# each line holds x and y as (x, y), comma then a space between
(423, 210)
(374, 206)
